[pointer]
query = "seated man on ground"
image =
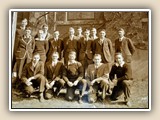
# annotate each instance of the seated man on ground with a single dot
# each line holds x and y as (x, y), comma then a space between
(33, 77)
(53, 73)
(121, 75)
(97, 76)
(73, 76)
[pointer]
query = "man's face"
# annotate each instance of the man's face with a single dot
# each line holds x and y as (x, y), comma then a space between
(28, 32)
(119, 59)
(72, 56)
(102, 34)
(79, 31)
(94, 32)
(45, 28)
(97, 60)
(86, 34)
(71, 32)
(36, 58)
(56, 34)
(121, 33)
(40, 34)
(24, 23)
(55, 57)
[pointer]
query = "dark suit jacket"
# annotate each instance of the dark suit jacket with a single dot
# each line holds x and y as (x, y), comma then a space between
(85, 49)
(101, 71)
(69, 45)
(122, 73)
(30, 71)
(126, 47)
(25, 48)
(19, 34)
(41, 47)
(55, 46)
(73, 71)
(105, 50)
(53, 72)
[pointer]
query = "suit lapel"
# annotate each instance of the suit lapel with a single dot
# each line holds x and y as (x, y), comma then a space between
(36, 68)
(31, 67)
(50, 67)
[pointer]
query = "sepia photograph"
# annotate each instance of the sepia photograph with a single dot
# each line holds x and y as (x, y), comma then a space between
(79, 60)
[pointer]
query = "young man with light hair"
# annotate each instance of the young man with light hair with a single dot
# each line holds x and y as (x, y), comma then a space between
(97, 76)
(53, 73)
(55, 45)
(121, 76)
(33, 77)
(85, 47)
(73, 76)
(125, 46)
(94, 34)
(70, 44)
(41, 45)
(79, 33)
(103, 46)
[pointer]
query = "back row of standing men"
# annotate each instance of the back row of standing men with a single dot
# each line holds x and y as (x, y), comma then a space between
(83, 47)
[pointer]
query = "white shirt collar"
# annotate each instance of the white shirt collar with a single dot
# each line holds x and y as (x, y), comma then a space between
(26, 36)
(120, 39)
(121, 65)
(72, 62)
(54, 63)
(98, 65)
(34, 64)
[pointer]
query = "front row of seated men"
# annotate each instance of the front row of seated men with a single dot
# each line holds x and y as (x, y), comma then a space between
(97, 78)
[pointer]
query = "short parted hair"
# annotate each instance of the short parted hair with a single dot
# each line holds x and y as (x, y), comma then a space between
(94, 29)
(97, 55)
(79, 28)
(87, 30)
(102, 30)
(55, 53)
(121, 29)
(72, 52)
(118, 53)
(24, 20)
(44, 25)
(71, 28)
(36, 53)
(56, 31)
(29, 28)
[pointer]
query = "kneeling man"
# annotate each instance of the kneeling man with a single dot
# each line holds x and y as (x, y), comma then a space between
(33, 77)
(97, 77)
(53, 73)
(121, 75)
(73, 75)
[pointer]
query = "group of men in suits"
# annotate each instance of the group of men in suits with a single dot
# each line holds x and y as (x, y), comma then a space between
(77, 62)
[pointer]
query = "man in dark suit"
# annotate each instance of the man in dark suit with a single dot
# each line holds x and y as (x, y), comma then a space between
(53, 73)
(85, 48)
(121, 76)
(70, 44)
(103, 46)
(79, 33)
(125, 46)
(41, 46)
(26, 45)
(20, 31)
(33, 77)
(94, 34)
(55, 45)
(73, 76)
(97, 77)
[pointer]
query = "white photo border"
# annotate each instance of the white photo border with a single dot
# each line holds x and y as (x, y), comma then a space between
(79, 10)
